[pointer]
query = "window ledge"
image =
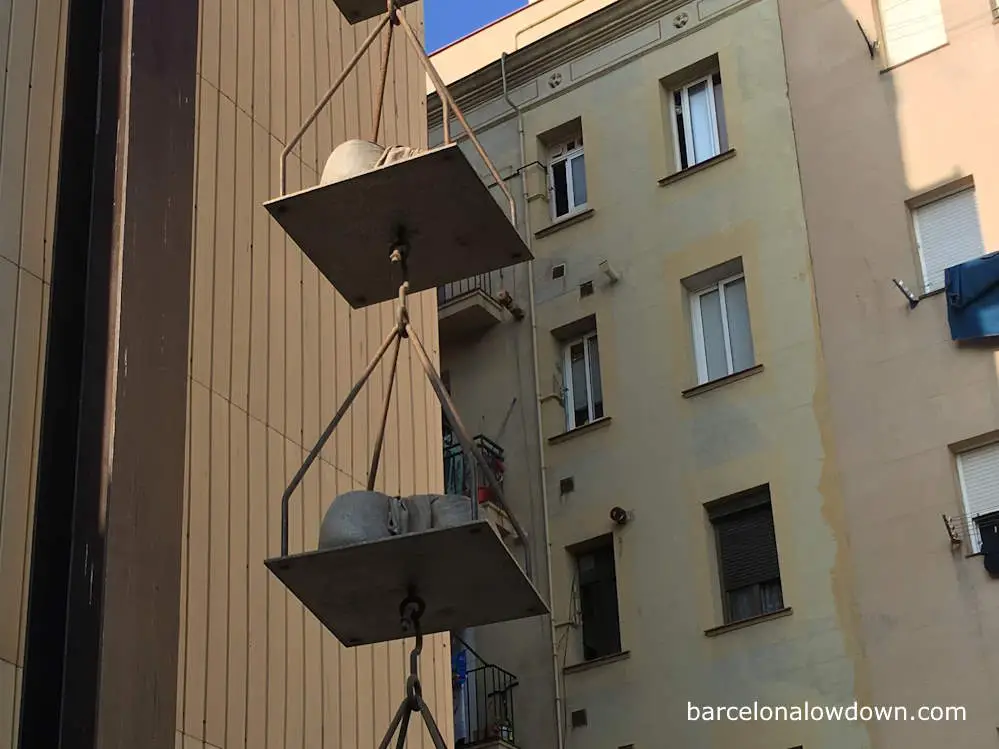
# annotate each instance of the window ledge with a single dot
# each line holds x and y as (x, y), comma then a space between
(741, 624)
(915, 57)
(564, 222)
(591, 426)
(722, 381)
(677, 176)
(575, 668)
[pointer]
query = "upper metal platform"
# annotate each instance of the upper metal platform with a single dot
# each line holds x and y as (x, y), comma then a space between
(466, 576)
(356, 11)
(435, 203)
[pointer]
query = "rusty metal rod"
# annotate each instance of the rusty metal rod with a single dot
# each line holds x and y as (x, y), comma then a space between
(324, 437)
(451, 414)
(383, 76)
(283, 162)
(445, 95)
(380, 440)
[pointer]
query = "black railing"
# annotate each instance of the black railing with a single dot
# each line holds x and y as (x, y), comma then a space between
(483, 282)
(461, 475)
(484, 707)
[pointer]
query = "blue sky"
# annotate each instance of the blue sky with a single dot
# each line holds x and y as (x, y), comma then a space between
(447, 20)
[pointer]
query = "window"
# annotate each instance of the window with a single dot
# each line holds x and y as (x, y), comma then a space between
(700, 121)
(584, 398)
(598, 598)
(947, 234)
(978, 471)
(747, 555)
(567, 177)
(910, 28)
(723, 342)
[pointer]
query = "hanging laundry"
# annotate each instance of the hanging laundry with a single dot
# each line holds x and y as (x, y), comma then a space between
(972, 290)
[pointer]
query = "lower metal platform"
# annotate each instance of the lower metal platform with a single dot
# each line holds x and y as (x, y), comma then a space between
(356, 11)
(465, 575)
(434, 203)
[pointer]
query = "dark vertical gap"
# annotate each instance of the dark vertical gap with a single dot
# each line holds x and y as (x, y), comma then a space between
(60, 691)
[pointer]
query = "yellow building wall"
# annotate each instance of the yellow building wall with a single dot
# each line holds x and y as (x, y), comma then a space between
(273, 350)
(32, 34)
(662, 455)
(904, 396)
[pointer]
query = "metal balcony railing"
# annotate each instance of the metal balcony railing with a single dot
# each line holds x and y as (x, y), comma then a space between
(455, 289)
(484, 707)
(461, 476)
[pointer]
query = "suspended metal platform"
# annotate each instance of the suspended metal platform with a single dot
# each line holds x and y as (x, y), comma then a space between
(466, 575)
(434, 218)
(356, 11)
(435, 203)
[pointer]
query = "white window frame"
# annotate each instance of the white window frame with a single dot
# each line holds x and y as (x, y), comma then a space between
(972, 527)
(921, 245)
(565, 152)
(570, 403)
(700, 354)
(687, 129)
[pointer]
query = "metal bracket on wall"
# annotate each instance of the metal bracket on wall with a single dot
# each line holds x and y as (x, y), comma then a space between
(872, 45)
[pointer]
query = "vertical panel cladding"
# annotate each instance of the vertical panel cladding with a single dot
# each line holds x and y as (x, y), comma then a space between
(274, 348)
(30, 127)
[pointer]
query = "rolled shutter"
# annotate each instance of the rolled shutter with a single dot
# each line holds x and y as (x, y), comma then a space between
(911, 27)
(748, 548)
(979, 471)
(948, 233)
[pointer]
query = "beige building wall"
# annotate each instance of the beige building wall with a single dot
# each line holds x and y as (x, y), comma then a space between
(904, 396)
(32, 49)
(665, 450)
(273, 350)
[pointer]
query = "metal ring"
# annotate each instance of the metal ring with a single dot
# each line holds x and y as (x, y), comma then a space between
(414, 689)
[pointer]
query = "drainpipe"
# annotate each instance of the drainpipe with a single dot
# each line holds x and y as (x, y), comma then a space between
(537, 404)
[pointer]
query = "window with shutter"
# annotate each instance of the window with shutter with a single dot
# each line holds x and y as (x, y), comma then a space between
(978, 471)
(911, 28)
(947, 233)
(747, 556)
(597, 578)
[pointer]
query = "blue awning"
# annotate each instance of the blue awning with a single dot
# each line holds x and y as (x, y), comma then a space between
(973, 298)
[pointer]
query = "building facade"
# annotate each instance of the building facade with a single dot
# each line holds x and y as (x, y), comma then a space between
(901, 180)
(683, 480)
(727, 390)
(158, 394)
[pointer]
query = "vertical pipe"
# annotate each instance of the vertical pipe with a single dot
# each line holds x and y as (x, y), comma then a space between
(546, 530)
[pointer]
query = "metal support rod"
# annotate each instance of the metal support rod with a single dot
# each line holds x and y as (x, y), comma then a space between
(348, 401)
(445, 95)
(400, 714)
(380, 440)
(283, 164)
(451, 414)
(435, 733)
(383, 77)
(446, 112)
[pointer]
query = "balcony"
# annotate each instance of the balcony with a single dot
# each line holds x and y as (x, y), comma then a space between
(483, 709)
(468, 308)
(462, 476)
